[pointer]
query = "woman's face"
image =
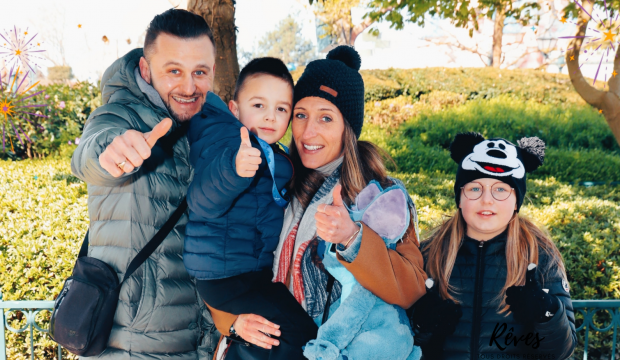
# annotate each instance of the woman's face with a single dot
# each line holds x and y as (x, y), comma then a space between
(317, 129)
(487, 217)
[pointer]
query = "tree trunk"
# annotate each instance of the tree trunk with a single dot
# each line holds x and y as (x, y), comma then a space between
(498, 33)
(220, 15)
(607, 101)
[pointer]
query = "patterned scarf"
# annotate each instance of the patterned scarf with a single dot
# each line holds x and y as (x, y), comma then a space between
(309, 279)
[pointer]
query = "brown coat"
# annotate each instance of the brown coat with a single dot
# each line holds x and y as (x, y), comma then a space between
(395, 276)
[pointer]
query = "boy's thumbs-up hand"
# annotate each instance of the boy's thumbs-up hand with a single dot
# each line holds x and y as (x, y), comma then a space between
(531, 303)
(248, 158)
(333, 223)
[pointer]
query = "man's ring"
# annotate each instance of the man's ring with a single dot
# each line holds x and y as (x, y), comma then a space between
(120, 165)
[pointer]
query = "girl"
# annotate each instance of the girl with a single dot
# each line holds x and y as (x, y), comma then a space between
(498, 283)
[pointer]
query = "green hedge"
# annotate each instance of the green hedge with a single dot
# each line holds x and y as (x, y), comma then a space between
(478, 83)
(40, 236)
(43, 219)
(580, 145)
(474, 83)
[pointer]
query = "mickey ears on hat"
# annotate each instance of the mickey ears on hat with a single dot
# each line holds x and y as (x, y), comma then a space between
(347, 55)
(463, 145)
(532, 152)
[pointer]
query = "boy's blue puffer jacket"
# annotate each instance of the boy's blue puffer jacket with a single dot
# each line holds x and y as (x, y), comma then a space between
(234, 223)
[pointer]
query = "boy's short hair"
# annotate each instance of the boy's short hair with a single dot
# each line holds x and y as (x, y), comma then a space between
(263, 66)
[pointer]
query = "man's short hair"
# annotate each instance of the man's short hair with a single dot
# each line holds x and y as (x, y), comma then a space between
(177, 22)
(263, 66)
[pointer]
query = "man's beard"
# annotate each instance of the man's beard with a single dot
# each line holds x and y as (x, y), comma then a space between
(174, 114)
(185, 117)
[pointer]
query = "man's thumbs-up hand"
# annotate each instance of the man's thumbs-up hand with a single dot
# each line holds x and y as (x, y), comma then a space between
(248, 158)
(128, 151)
(333, 223)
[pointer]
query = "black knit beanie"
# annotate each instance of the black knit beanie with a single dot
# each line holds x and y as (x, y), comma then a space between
(337, 80)
(497, 159)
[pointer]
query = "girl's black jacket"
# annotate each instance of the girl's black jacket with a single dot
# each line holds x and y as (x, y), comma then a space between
(483, 332)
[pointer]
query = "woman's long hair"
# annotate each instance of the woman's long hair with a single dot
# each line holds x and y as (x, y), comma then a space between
(524, 239)
(362, 162)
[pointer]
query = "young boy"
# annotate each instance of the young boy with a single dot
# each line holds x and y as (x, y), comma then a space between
(236, 202)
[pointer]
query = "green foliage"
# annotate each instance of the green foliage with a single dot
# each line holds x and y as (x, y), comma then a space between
(473, 83)
(413, 114)
(43, 219)
(67, 111)
(524, 84)
(580, 145)
(464, 14)
(379, 87)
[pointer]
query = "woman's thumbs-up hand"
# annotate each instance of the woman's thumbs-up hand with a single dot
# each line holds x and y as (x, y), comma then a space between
(531, 303)
(333, 223)
(248, 158)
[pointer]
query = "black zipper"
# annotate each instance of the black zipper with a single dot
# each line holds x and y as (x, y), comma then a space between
(476, 320)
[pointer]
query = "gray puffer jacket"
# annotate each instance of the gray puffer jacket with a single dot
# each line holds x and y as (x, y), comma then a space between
(160, 314)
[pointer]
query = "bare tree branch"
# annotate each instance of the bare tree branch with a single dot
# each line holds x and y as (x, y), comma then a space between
(614, 80)
(588, 92)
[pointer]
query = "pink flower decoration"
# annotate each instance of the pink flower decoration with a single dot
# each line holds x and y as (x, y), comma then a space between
(61, 105)
(77, 141)
(70, 143)
(47, 97)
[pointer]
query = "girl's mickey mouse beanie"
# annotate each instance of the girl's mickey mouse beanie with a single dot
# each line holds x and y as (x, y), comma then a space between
(495, 158)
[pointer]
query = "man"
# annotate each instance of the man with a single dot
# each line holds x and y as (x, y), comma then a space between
(134, 156)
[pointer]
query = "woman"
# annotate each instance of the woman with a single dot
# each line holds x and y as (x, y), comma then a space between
(327, 121)
(499, 288)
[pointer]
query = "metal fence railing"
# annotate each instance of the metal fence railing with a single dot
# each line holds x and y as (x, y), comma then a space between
(30, 309)
(587, 308)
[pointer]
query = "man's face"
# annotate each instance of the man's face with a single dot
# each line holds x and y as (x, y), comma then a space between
(182, 71)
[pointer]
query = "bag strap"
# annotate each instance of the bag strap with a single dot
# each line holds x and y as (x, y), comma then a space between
(330, 287)
(84, 248)
(148, 249)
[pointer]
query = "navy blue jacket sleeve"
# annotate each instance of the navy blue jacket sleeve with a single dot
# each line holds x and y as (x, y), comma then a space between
(559, 333)
(214, 138)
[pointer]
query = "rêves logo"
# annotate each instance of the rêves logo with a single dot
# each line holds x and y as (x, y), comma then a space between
(510, 338)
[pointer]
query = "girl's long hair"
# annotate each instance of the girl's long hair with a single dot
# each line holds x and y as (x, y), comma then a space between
(524, 240)
(363, 161)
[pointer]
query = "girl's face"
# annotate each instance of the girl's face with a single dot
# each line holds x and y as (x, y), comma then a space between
(487, 217)
(317, 128)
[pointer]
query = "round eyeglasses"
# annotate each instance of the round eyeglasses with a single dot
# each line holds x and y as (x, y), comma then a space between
(474, 190)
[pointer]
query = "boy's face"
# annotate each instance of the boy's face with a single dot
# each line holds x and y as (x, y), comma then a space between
(264, 106)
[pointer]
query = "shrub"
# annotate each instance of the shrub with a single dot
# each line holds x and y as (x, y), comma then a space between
(394, 111)
(43, 220)
(485, 83)
(69, 107)
(580, 145)
(378, 87)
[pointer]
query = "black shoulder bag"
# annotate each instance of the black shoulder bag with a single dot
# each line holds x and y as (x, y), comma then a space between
(84, 311)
